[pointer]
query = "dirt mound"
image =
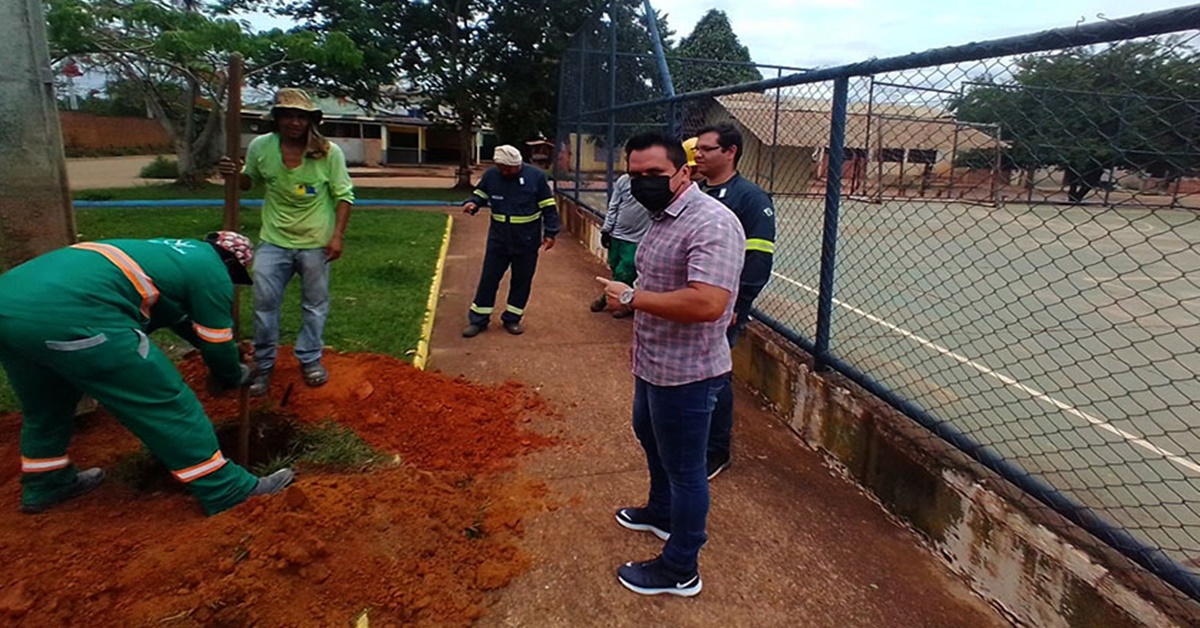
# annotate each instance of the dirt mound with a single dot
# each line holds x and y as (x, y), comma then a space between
(415, 543)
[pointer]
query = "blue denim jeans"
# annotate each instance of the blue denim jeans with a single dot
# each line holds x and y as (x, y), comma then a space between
(273, 269)
(720, 435)
(672, 424)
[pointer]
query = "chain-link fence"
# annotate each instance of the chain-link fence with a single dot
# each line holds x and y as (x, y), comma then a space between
(1000, 239)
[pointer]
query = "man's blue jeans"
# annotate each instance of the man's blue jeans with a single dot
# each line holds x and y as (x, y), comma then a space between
(273, 268)
(672, 424)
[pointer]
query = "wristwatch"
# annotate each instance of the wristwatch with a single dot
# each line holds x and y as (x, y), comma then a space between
(627, 297)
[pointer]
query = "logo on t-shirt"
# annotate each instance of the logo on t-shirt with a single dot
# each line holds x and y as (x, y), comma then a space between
(305, 190)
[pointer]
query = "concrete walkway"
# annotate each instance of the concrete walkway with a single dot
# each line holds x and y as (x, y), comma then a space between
(790, 543)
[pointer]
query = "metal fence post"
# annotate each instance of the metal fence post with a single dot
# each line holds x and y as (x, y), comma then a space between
(613, 11)
(833, 201)
(579, 114)
(775, 132)
(663, 68)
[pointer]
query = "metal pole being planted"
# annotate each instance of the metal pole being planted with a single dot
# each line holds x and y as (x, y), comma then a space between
(233, 190)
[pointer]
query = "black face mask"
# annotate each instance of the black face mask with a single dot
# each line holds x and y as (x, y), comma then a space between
(654, 193)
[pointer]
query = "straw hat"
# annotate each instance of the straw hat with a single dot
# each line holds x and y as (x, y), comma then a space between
(295, 99)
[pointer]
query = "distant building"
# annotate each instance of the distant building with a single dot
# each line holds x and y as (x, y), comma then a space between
(889, 146)
(381, 138)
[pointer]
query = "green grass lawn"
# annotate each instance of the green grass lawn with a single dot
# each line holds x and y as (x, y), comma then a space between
(212, 190)
(379, 288)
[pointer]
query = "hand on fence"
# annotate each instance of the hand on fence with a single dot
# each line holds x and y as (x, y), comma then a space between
(228, 167)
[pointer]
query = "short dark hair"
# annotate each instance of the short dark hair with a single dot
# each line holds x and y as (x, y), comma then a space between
(727, 135)
(674, 147)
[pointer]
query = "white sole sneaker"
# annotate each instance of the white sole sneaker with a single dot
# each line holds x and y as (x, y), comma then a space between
(686, 589)
(643, 527)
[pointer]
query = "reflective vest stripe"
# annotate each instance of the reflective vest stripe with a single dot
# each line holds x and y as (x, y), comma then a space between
(198, 471)
(482, 310)
(546, 203)
(765, 246)
(133, 272)
(41, 465)
(517, 220)
(481, 194)
(209, 334)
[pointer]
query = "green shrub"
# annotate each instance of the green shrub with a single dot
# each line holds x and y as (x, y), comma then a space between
(161, 168)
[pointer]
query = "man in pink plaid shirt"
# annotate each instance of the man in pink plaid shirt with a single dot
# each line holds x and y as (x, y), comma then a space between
(689, 267)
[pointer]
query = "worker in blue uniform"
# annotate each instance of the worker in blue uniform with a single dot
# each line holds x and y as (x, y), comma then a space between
(718, 150)
(524, 222)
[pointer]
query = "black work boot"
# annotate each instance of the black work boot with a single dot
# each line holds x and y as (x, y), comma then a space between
(85, 482)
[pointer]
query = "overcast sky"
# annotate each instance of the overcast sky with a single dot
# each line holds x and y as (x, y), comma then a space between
(814, 33)
(811, 33)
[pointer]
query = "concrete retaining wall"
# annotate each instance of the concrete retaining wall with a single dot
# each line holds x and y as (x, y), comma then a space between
(1040, 569)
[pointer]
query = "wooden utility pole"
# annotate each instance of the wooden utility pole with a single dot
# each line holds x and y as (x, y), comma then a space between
(233, 192)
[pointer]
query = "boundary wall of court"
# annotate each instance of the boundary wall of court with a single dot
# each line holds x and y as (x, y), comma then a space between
(1022, 557)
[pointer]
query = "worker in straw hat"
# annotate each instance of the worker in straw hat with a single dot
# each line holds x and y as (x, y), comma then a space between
(524, 221)
(306, 206)
(76, 321)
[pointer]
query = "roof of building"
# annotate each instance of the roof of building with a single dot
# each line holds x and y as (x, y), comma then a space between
(344, 110)
(804, 122)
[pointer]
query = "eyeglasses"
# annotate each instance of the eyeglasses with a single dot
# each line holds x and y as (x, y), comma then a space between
(707, 149)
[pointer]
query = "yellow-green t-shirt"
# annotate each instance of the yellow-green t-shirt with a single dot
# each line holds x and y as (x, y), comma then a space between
(299, 204)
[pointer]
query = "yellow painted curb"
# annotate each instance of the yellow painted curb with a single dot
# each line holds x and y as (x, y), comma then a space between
(422, 356)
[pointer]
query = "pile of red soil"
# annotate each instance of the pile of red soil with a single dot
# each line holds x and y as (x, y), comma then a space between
(413, 543)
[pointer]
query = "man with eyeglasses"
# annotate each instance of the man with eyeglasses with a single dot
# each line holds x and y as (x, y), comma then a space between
(718, 151)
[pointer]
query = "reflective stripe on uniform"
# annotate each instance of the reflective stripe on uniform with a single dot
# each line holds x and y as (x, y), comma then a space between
(515, 310)
(482, 310)
(133, 272)
(481, 194)
(208, 334)
(198, 471)
(517, 220)
(756, 244)
(41, 465)
(546, 203)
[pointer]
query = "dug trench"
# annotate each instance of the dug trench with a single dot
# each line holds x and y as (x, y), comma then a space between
(409, 505)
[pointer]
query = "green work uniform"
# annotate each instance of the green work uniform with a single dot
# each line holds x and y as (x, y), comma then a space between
(76, 321)
(621, 256)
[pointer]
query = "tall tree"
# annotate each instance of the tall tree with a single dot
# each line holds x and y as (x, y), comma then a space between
(530, 61)
(445, 48)
(156, 43)
(368, 24)
(1135, 105)
(712, 39)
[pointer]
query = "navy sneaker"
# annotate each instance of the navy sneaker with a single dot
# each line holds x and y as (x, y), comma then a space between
(716, 466)
(651, 577)
(641, 520)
